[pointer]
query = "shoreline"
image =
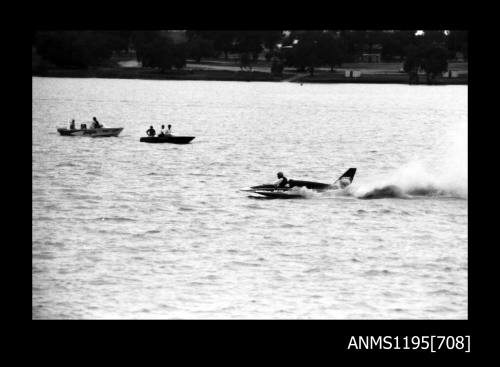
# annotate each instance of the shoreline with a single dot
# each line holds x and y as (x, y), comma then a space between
(244, 76)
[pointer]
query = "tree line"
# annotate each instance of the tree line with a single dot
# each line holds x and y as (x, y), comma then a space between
(304, 50)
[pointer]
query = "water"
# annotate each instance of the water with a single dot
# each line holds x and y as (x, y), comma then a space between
(123, 229)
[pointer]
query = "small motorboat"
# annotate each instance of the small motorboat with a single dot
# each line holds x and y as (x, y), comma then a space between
(95, 133)
(167, 139)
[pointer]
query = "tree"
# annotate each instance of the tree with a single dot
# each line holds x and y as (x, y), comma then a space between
(223, 41)
(38, 64)
(394, 43)
(154, 49)
(465, 50)
(412, 62)
(329, 51)
(434, 37)
(372, 38)
(143, 42)
(457, 42)
(276, 66)
(73, 49)
(180, 55)
(300, 49)
(306, 51)
(271, 38)
(245, 61)
(430, 58)
(161, 54)
(352, 43)
(117, 41)
(249, 42)
(198, 47)
(435, 61)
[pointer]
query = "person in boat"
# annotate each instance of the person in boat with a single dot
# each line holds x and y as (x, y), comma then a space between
(72, 125)
(162, 131)
(281, 182)
(169, 130)
(95, 123)
(151, 131)
(344, 182)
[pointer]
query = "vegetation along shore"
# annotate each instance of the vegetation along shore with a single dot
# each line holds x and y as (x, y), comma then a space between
(403, 57)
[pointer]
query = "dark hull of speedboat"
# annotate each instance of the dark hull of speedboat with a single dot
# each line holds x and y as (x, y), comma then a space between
(310, 185)
(278, 194)
(292, 183)
(167, 139)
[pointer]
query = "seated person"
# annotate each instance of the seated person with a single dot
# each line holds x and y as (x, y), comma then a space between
(151, 131)
(162, 131)
(169, 130)
(344, 182)
(95, 123)
(282, 181)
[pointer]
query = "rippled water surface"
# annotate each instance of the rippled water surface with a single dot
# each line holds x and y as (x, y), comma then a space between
(123, 229)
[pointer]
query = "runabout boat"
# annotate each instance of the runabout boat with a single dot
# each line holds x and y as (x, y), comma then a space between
(99, 132)
(167, 139)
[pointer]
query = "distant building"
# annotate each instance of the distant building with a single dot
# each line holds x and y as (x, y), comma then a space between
(371, 57)
(371, 54)
(450, 74)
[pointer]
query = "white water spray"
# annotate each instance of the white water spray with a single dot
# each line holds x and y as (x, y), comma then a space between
(444, 172)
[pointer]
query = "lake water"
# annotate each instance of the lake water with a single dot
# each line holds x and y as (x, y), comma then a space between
(123, 229)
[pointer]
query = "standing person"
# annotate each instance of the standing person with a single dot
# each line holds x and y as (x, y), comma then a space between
(151, 131)
(282, 181)
(169, 130)
(72, 125)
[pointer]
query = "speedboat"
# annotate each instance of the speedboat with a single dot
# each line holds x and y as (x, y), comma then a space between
(98, 132)
(167, 139)
(290, 190)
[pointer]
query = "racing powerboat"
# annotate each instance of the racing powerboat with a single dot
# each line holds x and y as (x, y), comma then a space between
(289, 191)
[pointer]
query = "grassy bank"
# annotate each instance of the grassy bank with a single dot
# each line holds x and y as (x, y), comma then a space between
(155, 74)
(378, 79)
(220, 74)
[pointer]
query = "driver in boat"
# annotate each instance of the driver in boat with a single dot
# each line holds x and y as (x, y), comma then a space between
(169, 130)
(72, 125)
(344, 182)
(281, 182)
(95, 123)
